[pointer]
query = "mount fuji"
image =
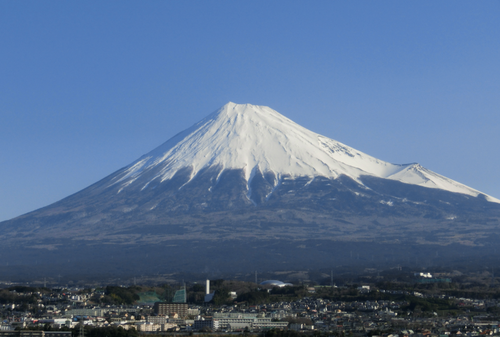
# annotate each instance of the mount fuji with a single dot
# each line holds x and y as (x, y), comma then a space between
(247, 180)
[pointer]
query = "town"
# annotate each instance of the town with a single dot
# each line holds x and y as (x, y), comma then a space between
(414, 304)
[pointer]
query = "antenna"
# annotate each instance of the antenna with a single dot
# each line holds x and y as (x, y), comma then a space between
(185, 292)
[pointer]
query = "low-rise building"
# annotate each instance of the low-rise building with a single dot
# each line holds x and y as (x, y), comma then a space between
(167, 309)
(211, 324)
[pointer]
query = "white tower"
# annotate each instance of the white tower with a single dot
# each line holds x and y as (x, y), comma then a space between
(208, 296)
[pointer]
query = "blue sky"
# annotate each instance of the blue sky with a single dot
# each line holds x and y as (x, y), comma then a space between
(86, 87)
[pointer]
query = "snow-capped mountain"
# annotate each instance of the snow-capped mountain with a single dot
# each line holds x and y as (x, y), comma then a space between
(245, 181)
(258, 139)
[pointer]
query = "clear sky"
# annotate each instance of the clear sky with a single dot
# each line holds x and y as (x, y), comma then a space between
(86, 87)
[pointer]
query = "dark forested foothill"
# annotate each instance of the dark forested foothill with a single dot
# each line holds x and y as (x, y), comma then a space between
(254, 297)
(121, 295)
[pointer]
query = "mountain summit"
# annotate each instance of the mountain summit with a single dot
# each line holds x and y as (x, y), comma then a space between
(245, 182)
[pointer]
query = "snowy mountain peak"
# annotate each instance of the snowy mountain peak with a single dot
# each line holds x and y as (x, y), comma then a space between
(257, 138)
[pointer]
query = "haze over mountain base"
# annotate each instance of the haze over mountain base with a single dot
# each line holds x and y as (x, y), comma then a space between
(232, 258)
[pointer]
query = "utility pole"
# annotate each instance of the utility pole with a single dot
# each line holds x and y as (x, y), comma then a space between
(82, 330)
(331, 281)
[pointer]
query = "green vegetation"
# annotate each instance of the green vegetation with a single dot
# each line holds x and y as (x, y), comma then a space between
(429, 304)
(120, 295)
(254, 297)
(25, 289)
